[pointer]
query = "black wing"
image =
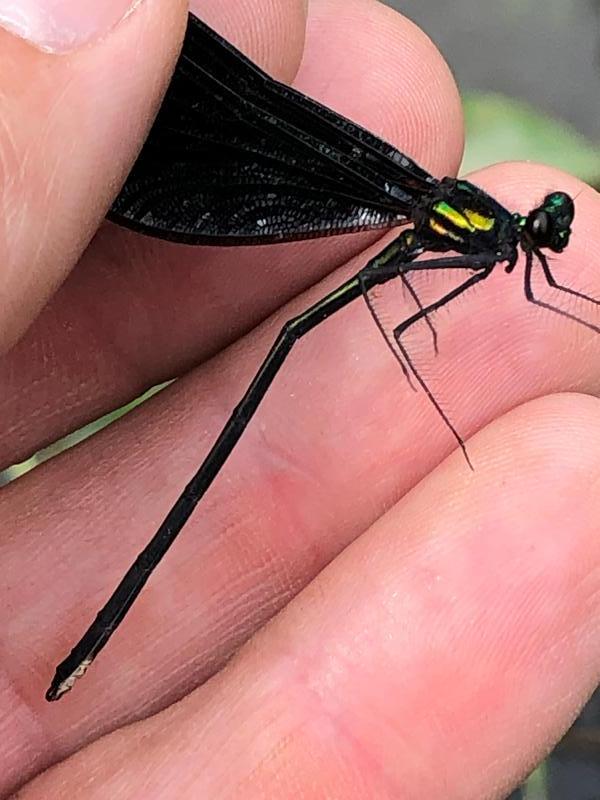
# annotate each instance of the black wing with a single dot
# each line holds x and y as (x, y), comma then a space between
(235, 157)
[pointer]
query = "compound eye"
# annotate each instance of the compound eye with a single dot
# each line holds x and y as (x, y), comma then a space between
(540, 227)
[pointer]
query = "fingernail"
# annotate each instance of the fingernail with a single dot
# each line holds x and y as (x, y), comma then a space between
(61, 25)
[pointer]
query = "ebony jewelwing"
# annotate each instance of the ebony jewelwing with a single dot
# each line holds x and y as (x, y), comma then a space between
(237, 158)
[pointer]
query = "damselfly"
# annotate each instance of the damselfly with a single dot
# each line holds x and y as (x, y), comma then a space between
(236, 158)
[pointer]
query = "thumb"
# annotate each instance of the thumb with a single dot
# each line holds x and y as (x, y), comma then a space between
(79, 85)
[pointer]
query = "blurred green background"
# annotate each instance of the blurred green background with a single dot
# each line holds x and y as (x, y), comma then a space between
(529, 74)
(544, 52)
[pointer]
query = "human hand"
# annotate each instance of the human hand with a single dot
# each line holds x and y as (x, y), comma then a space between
(454, 639)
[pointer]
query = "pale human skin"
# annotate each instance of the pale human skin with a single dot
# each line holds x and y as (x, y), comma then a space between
(456, 637)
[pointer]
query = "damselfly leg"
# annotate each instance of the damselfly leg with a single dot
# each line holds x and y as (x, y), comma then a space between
(553, 283)
(398, 260)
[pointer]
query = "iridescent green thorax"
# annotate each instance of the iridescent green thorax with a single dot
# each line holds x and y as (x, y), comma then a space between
(466, 219)
(458, 224)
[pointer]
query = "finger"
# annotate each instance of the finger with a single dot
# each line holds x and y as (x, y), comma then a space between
(338, 440)
(499, 348)
(440, 655)
(142, 311)
(271, 32)
(71, 125)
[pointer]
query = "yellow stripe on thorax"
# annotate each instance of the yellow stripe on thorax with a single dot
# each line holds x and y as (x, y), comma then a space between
(439, 228)
(467, 220)
(479, 221)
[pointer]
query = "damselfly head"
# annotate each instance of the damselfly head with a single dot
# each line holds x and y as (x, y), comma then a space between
(549, 225)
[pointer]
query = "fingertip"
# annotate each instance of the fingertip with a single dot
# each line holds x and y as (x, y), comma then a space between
(518, 182)
(466, 616)
(270, 32)
(378, 68)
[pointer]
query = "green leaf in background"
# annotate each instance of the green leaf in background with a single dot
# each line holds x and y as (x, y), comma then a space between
(71, 439)
(538, 784)
(499, 128)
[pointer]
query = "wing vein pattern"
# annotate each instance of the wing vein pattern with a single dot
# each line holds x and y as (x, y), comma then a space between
(235, 157)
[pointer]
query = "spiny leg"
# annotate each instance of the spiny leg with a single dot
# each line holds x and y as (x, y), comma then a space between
(411, 247)
(381, 270)
(397, 255)
(384, 333)
(403, 327)
(561, 287)
(401, 251)
(551, 282)
(420, 306)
